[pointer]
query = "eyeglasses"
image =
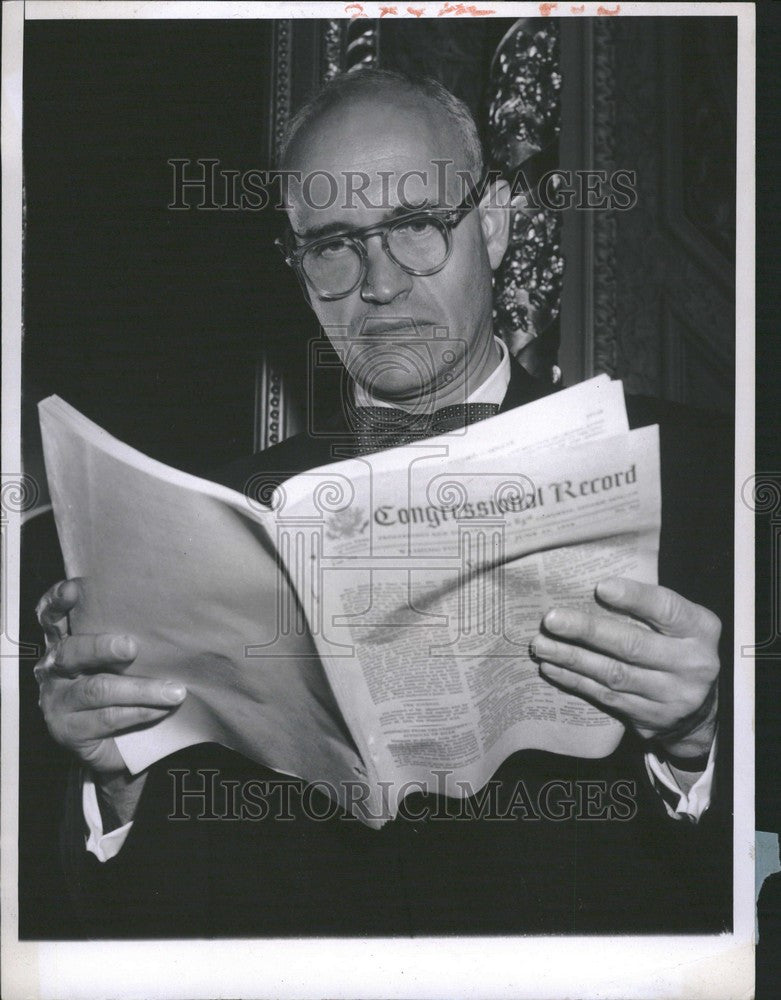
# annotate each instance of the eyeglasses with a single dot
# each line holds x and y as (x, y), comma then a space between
(419, 242)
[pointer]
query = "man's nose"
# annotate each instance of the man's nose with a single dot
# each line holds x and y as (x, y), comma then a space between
(384, 280)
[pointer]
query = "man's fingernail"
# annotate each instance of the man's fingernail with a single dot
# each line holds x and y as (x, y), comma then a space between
(610, 590)
(544, 647)
(174, 692)
(123, 647)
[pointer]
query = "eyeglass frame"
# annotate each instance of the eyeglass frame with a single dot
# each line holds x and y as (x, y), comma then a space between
(450, 217)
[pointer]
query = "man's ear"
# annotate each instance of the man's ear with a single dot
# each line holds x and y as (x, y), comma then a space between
(494, 209)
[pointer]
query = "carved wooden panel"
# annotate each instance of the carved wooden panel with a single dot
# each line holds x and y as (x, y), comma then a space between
(659, 95)
(274, 415)
(524, 122)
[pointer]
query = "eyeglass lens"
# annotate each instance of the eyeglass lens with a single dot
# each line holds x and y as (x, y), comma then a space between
(418, 245)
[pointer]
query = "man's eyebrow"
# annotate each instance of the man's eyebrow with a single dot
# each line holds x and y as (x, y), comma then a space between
(333, 228)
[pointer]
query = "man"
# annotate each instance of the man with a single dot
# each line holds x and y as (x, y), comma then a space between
(388, 266)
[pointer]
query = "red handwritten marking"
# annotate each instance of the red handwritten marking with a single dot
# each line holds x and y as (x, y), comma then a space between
(388, 10)
(577, 10)
(358, 7)
(460, 9)
(546, 8)
(604, 12)
(417, 11)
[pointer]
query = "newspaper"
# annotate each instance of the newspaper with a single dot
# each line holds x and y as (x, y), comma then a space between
(392, 654)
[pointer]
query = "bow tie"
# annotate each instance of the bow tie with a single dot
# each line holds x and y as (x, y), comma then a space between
(379, 427)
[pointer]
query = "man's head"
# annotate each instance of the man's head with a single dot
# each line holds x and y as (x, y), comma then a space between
(371, 147)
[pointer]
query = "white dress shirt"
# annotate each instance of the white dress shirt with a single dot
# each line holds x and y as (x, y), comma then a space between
(688, 807)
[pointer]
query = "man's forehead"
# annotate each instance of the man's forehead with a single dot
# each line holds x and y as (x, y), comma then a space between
(390, 118)
(378, 134)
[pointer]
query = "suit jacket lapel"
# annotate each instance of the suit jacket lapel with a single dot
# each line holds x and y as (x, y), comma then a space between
(523, 387)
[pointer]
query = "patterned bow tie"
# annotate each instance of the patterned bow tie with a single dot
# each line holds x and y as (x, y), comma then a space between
(380, 427)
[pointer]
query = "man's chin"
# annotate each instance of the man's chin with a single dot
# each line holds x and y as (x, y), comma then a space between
(400, 370)
(396, 392)
(387, 368)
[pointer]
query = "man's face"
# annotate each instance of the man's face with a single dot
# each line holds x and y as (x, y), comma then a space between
(409, 339)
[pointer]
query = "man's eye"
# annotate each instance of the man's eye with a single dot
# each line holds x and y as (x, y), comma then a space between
(416, 228)
(334, 248)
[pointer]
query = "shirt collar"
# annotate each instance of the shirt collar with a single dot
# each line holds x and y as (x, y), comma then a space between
(492, 390)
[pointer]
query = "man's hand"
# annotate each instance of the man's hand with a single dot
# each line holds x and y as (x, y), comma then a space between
(85, 701)
(661, 680)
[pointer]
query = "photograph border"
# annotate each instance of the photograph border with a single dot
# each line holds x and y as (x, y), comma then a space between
(691, 966)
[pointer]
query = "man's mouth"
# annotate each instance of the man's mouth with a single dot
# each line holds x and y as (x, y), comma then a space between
(390, 327)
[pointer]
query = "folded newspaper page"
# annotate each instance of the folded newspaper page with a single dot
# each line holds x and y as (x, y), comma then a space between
(185, 566)
(393, 655)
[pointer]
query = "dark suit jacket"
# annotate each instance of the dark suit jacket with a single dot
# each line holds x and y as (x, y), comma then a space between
(276, 877)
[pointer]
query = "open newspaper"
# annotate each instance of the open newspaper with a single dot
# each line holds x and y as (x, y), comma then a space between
(369, 630)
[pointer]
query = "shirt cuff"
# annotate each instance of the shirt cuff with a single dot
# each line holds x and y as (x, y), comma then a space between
(687, 806)
(104, 846)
